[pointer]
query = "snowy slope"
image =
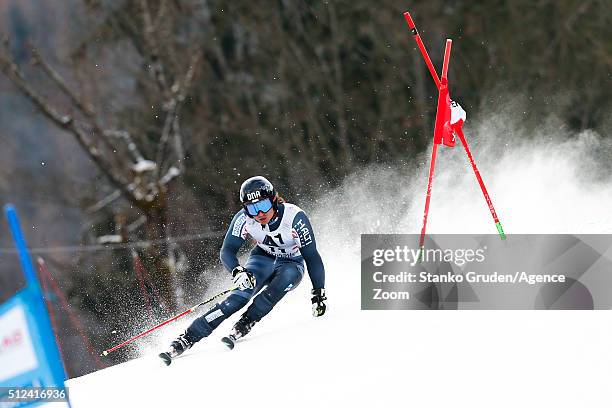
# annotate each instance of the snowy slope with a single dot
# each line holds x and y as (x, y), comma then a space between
(402, 358)
(476, 359)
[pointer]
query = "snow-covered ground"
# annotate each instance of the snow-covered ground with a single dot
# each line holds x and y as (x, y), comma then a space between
(352, 357)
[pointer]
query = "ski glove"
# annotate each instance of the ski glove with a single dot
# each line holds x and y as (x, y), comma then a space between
(318, 302)
(242, 278)
(457, 113)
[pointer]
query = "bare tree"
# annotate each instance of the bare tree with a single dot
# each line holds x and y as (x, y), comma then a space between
(139, 178)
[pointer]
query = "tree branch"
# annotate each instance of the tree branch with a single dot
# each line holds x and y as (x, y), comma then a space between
(156, 68)
(104, 202)
(84, 108)
(171, 124)
(125, 135)
(61, 84)
(66, 122)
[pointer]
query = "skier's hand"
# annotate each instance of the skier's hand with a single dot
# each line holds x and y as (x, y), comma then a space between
(318, 302)
(457, 113)
(243, 279)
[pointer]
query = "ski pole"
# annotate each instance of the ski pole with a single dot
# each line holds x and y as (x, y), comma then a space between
(218, 295)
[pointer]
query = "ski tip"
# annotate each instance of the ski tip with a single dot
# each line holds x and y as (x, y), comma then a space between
(166, 358)
(228, 342)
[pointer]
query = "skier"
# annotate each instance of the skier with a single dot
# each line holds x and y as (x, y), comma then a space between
(285, 239)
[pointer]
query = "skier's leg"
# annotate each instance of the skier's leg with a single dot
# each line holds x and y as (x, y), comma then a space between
(262, 268)
(287, 276)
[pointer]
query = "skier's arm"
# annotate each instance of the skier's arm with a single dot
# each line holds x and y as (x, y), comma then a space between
(308, 249)
(234, 238)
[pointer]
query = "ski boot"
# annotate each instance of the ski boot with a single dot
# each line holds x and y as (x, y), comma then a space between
(242, 327)
(177, 347)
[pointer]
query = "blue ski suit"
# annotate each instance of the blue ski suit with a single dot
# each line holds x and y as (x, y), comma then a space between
(277, 262)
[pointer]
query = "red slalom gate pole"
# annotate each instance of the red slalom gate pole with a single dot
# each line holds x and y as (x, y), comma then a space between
(147, 278)
(141, 284)
(434, 75)
(46, 292)
(447, 51)
(432, 166)
(434, 150)
(44, 271)
(459, 131)
(417, 38)
(118, 346)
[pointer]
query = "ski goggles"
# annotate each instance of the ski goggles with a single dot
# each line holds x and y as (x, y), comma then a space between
(254, 208)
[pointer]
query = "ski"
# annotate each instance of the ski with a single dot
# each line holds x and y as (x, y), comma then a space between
(229, 341)
(166, 358)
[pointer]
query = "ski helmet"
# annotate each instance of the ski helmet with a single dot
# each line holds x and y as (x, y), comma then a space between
(257, 194)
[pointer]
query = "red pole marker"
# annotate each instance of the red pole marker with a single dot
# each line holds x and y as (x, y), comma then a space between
(459, 131)
(419, 42)
(47, 279)
(432, 165)
(47, 292)
(443, 131)
(447, 50)
(140, 278)
(442, 118)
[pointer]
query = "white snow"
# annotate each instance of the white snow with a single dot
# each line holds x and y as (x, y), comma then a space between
(144, 165)
(110, 239)
(357, 358)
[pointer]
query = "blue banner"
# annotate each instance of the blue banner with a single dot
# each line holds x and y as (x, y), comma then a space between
(29, 355)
